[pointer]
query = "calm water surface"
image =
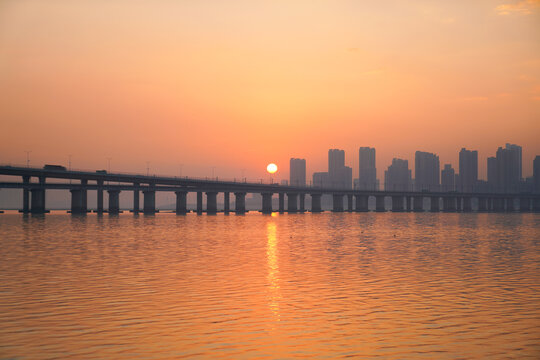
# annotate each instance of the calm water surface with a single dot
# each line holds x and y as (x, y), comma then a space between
(325, 285)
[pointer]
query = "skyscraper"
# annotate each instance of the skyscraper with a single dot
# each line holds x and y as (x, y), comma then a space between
(504, 171)
(398, 176)
(447, 178)
(339, 175)
(367, 172)
(297, 172)
(426, 171)
(468, 170)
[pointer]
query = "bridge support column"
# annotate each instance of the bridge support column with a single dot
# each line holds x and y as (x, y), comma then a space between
(149, 202)
(38, 201)
(379, 203)
(434, 204)
(459, 201)
(281, 202)
(114, 201)
(226, 202)
(536, 204)
(408, 200)
(467, 204)
(397, 203)
(211, 202)
(199, 203)
(84, 196)
(77, 202)
(337, 203)
(490, 204)
(498, 204)
(524, 204)
(26, 195)
(350, 203)
(240, 202)
(510, 204)
(361, 203)
(418, 204)
(181, 202)
(302, 201)
(99, 208)
(267, 203)
(449, 204)
(316, 203)
(136, 201)
(292, 202)
(482, 204)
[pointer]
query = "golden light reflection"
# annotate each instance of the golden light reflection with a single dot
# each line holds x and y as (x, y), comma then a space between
(274, 293)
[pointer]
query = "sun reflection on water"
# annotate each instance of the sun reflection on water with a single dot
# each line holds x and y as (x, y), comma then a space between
(274, 294)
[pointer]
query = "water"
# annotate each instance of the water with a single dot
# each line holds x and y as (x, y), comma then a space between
(390, 285)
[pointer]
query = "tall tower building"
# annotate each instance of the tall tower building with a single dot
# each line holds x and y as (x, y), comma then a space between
(447, 178)
(398, 176)
(426, 171)
(297, 172)
(492, 177)
(339, 175)
(468, 170)
(367, 172)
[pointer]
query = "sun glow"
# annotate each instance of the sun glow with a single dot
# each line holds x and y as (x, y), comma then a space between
(271, 168)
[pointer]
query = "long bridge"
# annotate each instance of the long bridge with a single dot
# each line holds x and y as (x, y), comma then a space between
(33, 182)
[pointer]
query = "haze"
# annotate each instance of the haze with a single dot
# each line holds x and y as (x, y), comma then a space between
(239, 84)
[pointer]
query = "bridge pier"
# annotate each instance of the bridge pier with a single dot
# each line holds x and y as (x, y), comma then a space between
(114, 201)
(482, 204)
(459, 202)
(379, 203)
(136, 201)
(226, 202)
(181, 202)
(99, 208)
(149, 202)
(449, 204)
(302, 201)
(361, 203)
(26, 195)
(524, 204)
(536, 204)
(84, 196)
(337, 203)
(211, 202)
(498, 204)
(281, 202)
(292, 202)
(199, 203)
(418, 203)
(240, 202)
(510, 204)
(316, 203)
(350, 203)
(77, 202)
(38, 198)
(267, 203)
(397, 203)
(408, 200)
(467, 204)
(434, 204)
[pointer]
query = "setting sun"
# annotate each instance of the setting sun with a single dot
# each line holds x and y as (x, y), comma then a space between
(271, 168)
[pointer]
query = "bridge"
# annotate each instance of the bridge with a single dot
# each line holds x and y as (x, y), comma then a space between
(33, 182)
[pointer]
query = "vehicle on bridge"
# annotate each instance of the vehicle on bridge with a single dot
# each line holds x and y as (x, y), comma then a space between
(54, 167)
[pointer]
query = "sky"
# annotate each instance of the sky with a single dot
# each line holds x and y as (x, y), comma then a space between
(195, 87)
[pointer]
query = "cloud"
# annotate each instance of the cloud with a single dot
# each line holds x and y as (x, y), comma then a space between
(522, 7)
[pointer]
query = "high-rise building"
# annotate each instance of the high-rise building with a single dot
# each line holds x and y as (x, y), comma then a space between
(447, 178)
(297, 172)
(468, 170)
(426, 171)
(504, 170)
(339, 175)
(536, 174)
(320, 179)
(398, 176)
(367, 171)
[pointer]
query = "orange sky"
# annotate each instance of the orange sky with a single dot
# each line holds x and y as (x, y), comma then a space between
(239, 84)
